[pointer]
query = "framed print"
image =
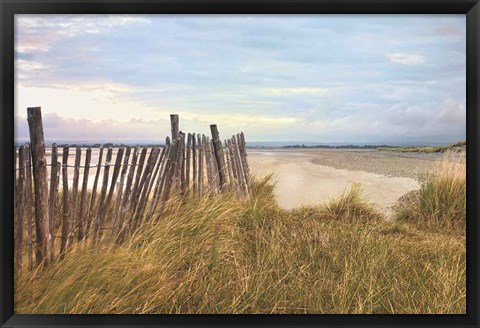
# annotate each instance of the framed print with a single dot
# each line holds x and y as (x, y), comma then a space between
(292, 163)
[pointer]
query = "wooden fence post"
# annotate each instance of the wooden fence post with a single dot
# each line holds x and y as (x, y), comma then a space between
(66, 204)
(175, 126)
(217, 148)
(120, 193)
(91, 209)
(83, 197)
(73, 209)
(28, 201)
(101, 210)
(194, 163)
(34, 117)
(20, 208)
(54, 177)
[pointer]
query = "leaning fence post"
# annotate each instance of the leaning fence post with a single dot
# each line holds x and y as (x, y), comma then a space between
(35, 124)
(217, 148)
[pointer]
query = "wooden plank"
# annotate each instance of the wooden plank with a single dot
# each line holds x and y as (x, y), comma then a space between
(54, 177)
(194, 163)
(170, 170)
(201, 176)
(233, 162)
(73, 210)
(118, 201)
(91, 209)
(241, 172)
(160, 182)
(122, 228)
(99, 219)
(83, 197)
(228, 167)
(243, 156)
(116, 171)
(217, 148)
(44, 238)
(28, 202)
(155, 172)
(20, 209)
(183, 159)
(146, 180)
(136, 188)
(208, 165)
(66, 201)
(175, 126)
(187, 164)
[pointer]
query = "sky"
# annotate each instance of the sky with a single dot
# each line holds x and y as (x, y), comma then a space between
(313, 78)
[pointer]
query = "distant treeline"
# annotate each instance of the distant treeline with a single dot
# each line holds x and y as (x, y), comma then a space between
(338, 146)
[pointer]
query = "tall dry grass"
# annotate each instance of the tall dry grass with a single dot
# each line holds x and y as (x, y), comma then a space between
(441, 201)
(222, 255)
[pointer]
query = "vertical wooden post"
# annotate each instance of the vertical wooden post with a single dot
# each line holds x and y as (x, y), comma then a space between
(54, 177)
(101, 210)
(20, 209)
(116, 172)
(194, 163)
(201, 177)
(66, 204)
(83, 197)
(241, 172)
(126, 197)
(217, 148)
(120, 193)
(28, 202)
(91, 209)
(34, 117)
(187, 172)
(183, 158)
(73, 209)
(175, 125)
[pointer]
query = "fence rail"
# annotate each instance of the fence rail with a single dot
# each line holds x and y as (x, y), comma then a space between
(129, 188)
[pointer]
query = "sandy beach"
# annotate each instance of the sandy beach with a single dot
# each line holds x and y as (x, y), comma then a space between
(309, 177)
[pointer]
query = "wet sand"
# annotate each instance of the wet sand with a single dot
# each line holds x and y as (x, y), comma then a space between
(309, 177)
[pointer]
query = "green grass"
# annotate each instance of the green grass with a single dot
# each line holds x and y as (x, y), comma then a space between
(429, 149)
(222, 255)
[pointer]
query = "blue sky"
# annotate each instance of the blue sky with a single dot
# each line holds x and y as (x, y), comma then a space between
(316, 78)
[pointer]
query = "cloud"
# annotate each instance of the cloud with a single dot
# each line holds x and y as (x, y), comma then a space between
(311, 78)
(406, 58)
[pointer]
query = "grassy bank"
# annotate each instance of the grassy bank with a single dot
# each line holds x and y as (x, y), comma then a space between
(459, 146)
(221, 255)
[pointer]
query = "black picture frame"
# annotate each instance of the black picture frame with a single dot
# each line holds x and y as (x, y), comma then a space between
(8, 8)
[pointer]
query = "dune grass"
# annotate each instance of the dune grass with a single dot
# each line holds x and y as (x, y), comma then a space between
(441, 201)
(221, 255)
(459, 146)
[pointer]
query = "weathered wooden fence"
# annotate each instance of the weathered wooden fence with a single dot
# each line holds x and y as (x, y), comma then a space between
(56, 204)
